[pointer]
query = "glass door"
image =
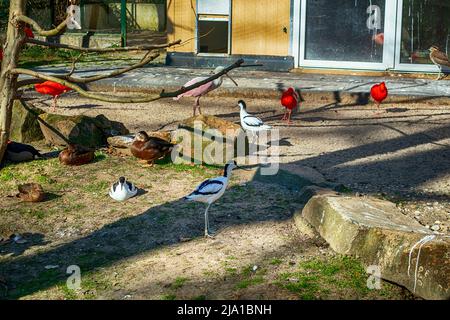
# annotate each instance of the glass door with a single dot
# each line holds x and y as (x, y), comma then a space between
(422, 24)
(356, 34)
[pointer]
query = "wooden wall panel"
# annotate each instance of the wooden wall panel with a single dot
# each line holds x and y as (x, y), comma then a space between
(181, 23)
(257, 27)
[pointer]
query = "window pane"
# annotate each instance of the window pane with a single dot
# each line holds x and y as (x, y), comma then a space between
(425, 23)
(345, 30)
(221, 7)
(213, 36)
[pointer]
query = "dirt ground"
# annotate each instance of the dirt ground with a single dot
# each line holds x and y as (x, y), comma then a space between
(400, 153)
(151, 247)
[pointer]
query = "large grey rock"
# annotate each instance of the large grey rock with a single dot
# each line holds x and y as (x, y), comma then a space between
(83, 130)
(24, 124)
(379, 234)
(211, 140)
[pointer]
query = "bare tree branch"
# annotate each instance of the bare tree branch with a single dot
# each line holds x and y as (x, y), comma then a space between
(68, 77)
(115, 99)
(118, 49)
(145, 60)
(74, 62)
(45, 33)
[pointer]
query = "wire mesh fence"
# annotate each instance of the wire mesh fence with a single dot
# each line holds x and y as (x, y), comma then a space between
(136, 20)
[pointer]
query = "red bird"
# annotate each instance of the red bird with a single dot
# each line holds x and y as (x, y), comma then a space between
(51, 88)
(379, 92)
(1, 54)
(290, 100)
(28, 32)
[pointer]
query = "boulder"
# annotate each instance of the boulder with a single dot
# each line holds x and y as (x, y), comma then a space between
(208, 139)
(24, 124)
(87, 131)
(380, 235)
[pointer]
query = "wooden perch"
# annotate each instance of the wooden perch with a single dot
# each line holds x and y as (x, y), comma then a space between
(114, 99)
(45, 33)
(103, 50)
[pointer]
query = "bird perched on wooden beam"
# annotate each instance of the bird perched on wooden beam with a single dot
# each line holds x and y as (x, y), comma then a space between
(203, 89)
(439, 58)
(211, 190)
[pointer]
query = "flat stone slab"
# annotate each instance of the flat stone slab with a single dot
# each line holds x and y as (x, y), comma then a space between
(380, 235)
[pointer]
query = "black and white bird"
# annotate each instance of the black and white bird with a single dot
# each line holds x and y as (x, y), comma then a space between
(251, 123)
(211, 190)
(20, 152)
(122, 190)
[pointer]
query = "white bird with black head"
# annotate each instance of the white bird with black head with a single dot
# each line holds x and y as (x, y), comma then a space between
(211, 190)
(251, 123)
(122, 190)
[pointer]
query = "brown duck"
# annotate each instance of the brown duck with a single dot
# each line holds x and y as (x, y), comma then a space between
(31, 192)
(76, 155)
(150, 149)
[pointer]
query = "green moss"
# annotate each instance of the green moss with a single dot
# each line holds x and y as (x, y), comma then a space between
(169, 297)
(178, 283)
(317, 278)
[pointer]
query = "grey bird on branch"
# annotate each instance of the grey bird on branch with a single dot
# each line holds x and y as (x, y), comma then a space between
(439, 58)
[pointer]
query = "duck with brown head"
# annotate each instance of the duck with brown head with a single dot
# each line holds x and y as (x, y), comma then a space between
(149, 149)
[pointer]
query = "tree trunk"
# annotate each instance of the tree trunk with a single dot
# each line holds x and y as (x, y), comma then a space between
(14, 41)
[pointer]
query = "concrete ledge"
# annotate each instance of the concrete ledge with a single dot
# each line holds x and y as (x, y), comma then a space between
(379, 234)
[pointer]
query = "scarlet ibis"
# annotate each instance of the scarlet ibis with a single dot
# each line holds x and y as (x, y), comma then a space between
(379, 92)
(1, 54)
(203, 89)
(28, 32)
(290, 100)
(379, 38)
(51, 88)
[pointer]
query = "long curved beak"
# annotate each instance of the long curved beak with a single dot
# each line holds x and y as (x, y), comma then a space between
(235, 83)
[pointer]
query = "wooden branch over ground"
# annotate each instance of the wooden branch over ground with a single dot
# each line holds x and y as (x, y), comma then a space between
(102, 50)
(45, 33)
(115, 99)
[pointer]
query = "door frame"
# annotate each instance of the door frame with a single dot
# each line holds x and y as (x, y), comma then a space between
(197, 38)
(408, 67)
(388, 48)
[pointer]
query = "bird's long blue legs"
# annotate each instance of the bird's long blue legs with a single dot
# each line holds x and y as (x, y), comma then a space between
(207, 235)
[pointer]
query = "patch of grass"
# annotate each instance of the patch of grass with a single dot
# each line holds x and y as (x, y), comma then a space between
(99, 156)
(200, 298)
(231, 271)
(96, 187)
(249, 282)
(169, 297)
(178, 283)
(317, 278)
(276, 261)
(344, 189)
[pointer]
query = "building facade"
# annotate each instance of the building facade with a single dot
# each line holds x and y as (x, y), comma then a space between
(333, 34)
